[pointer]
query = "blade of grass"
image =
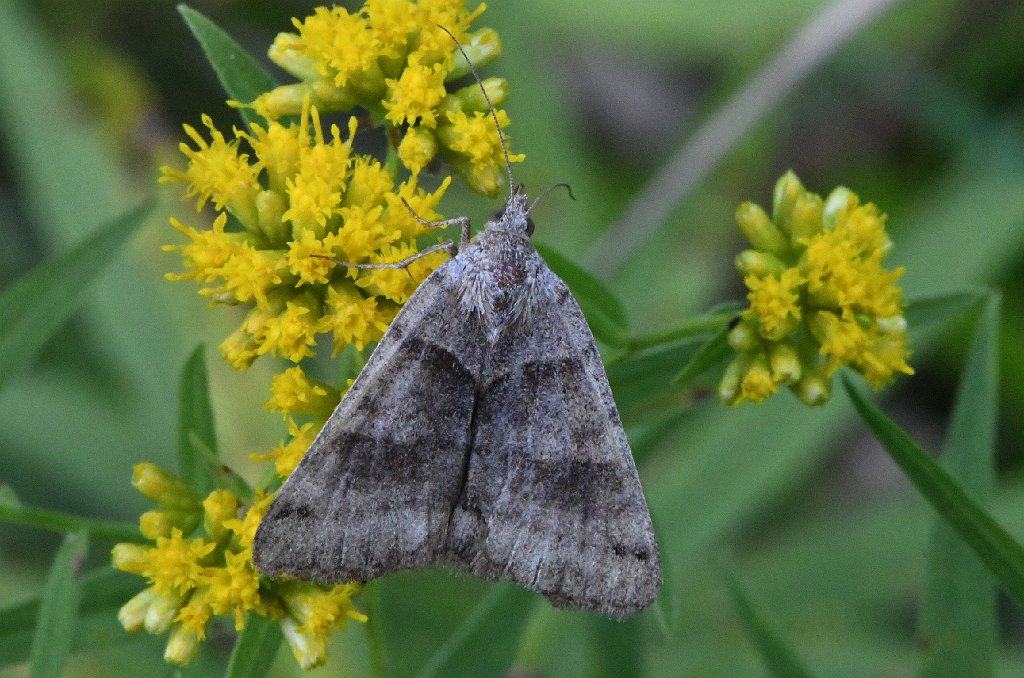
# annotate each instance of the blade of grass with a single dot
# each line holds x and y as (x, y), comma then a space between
(241, 76)
(35, 306)
(486, 641)
(1001, 554)
(940, 307)
(255, 649)
(103, 592)
(959, 626)
(55, 625)
(195, 424)
(778, 656)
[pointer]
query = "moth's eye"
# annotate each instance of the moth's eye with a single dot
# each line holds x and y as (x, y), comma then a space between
(529, 226)
(498, 213)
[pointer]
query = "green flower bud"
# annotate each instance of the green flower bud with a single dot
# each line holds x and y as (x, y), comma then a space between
(759, 230)
(164, 488)
(744, 337)
(813, 389)
(270, 205)
(482, 47)
(785, 362)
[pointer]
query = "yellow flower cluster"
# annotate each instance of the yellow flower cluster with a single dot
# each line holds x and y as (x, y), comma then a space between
(820, 297)
(393, 59)
(301, 197)
(193, 579)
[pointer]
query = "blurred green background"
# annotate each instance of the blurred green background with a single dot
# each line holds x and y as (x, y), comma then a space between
(921, 112)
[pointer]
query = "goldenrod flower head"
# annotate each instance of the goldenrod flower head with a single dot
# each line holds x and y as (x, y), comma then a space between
(287, 455)
(820, 297)
(392, 58)
(216, 171)
(293, 392)
(196, 577)
(312, 613)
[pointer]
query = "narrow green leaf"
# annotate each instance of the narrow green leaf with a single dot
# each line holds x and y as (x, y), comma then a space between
(103, 592)
(255, 648)
(1001, 554)
(616, 648)
(715, 350)
(777, 654)
(241, 76)
(36, 305)
(605, 313)
(959, 626)
(486, 641)
(195, 424)
(56, 622)
(941, 307)
(18, 514)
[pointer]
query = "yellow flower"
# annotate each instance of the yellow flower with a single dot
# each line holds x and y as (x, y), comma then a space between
(217, 171)
(233, 588)
(292, 392)
(418, 148)
(820, 297)
(287, 456)
(353, 318)
(477, 149)
(306, 259)
(312, 613)
(174, 564)
(774, 301)
(207, 252)
(342, 44)
(292, 333)
(416, 95)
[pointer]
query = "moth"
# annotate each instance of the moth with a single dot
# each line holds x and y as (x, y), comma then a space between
(481, 435)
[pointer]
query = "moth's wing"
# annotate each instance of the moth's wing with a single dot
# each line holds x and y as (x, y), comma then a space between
(552, 500)
(375, 491)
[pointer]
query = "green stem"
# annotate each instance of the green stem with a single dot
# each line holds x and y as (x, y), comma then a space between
(66, 522)
(689, 328)
(375, 638)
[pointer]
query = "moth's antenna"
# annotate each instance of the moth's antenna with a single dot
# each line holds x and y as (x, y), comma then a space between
(490, 107)
(544, 193)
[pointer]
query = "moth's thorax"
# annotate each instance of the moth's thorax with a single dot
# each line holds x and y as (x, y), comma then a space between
(498, 275)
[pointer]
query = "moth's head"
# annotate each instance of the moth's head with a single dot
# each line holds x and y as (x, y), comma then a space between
(514, 217)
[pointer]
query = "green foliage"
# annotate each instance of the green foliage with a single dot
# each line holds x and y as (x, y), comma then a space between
(37, 305)
(56, 621)
(841, 576)
(242, 78)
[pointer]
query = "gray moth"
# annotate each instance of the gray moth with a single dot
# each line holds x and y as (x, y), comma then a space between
(481, 435)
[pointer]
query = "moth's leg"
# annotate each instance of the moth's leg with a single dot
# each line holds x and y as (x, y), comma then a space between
(404, 263)
(462, 222)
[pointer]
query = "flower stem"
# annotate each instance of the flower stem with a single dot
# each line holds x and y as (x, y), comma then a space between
(374, 634)
(66, 522)
(692, 327)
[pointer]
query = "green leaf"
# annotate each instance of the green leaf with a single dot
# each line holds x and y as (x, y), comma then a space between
(1001, 554)
(605, 313)
(780, 659)
(714, 351)
(241, 76)
(103, 592)
(195, 424)
(36, 305)
(255, 648)
(486, 641)
(615, 648)
(940, 307)
(56, 622)
(959, 625)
